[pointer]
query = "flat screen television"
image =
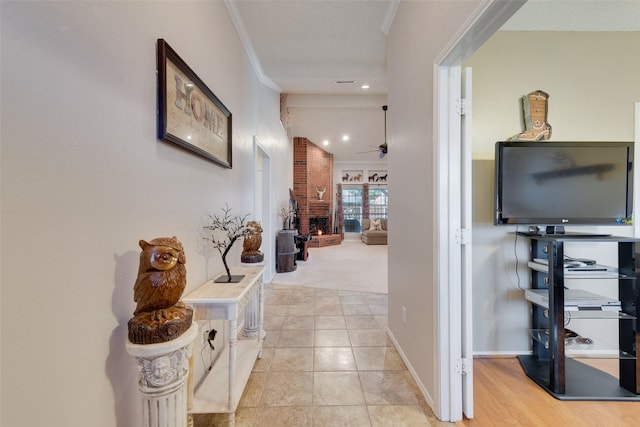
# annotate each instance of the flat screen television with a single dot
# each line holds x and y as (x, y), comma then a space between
(563, 183)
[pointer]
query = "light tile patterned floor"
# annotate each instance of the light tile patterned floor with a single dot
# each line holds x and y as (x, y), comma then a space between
(327, 361)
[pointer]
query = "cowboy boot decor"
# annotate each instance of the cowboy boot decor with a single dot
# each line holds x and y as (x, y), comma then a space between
(534, 109)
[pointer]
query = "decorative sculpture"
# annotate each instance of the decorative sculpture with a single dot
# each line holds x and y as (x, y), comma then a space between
(159, 316)
(232, 228)
(252, 242)
(534, 109)
(286, 214)
(321, 191)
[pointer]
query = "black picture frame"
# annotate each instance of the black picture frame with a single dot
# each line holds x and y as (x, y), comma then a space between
(190, 115)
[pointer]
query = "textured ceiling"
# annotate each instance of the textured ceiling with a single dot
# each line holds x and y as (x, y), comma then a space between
(306, 46)
(302, 47)
(576, 15)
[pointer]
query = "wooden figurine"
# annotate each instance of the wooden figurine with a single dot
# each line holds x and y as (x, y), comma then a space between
(162, 277)
(251, 244)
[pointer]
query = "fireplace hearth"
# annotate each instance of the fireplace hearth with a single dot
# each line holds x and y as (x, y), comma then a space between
(318, 225)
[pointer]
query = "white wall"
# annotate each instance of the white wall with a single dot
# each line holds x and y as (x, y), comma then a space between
(592, 79)
(329, 117)
(84, 178)
(419, 33)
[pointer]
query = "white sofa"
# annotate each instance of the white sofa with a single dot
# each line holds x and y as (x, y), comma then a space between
(374, 235)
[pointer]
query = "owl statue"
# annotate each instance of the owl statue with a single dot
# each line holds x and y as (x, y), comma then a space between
(252, 242)
(162, 277)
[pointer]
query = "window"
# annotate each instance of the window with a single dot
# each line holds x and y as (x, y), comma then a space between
(378, 203)
(352, 208)
(355, 207)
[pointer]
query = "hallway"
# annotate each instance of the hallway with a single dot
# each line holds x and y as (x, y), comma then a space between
(327, 361)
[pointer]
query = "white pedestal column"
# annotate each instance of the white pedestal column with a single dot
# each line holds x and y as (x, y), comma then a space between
(252, 317)
(163, 370)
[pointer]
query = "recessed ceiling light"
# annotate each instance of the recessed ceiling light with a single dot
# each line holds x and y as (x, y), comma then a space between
(325, 142)
(365, 86)
(345, 137)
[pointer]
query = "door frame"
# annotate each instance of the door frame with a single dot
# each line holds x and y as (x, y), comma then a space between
(483, 23)
(262, 204)
(636, 176)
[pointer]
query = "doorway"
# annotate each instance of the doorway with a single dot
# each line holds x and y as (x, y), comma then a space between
(456, 378)
(262, 202)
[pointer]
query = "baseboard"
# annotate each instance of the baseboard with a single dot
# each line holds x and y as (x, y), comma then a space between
(427, 397)
(499, 354)
(269, 279)
(574, 354)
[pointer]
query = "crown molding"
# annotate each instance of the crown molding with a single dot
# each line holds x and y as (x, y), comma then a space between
(248, 47)
(389, 16)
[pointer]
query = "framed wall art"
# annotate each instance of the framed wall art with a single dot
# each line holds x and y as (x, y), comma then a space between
(189, 114)
(377, 176)
(352, 176)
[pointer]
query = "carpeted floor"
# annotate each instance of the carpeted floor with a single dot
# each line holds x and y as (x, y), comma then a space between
(351, 266)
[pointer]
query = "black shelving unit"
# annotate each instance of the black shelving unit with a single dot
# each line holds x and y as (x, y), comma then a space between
(564, 377)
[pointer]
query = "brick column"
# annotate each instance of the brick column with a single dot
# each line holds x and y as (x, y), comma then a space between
(300, 186)
(312, 169)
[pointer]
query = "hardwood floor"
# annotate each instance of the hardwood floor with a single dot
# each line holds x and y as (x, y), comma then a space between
(505, 396)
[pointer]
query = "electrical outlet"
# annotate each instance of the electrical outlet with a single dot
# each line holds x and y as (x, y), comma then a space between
(404, 314)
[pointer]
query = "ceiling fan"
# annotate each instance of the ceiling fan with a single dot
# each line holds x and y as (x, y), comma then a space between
(382, 148)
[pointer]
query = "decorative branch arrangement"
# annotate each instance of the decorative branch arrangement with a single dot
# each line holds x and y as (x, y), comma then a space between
(286, 214)
(225, 230)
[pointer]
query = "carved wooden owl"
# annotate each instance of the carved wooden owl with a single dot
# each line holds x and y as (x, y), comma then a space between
(253, 239)
(161, 275)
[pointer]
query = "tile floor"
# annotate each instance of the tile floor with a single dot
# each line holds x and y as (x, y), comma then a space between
(327, 361)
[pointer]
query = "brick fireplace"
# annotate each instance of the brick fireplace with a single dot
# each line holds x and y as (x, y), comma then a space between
(318, 225)
(313, 175)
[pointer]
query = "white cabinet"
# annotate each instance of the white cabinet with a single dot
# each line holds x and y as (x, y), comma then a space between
(235, 303)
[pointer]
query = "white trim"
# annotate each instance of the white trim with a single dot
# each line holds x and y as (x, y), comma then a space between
(484, 22)
(466, 252)
(502, 354)
(454, 200)
(444, 368)
(636, 174)
(264, 193)
(488, 17)
(389, 16)
(248, 46)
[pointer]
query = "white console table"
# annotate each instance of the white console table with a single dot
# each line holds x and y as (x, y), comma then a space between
(223, 386)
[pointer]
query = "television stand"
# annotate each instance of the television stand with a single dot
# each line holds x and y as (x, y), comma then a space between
(556, 365)
(558, 231)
